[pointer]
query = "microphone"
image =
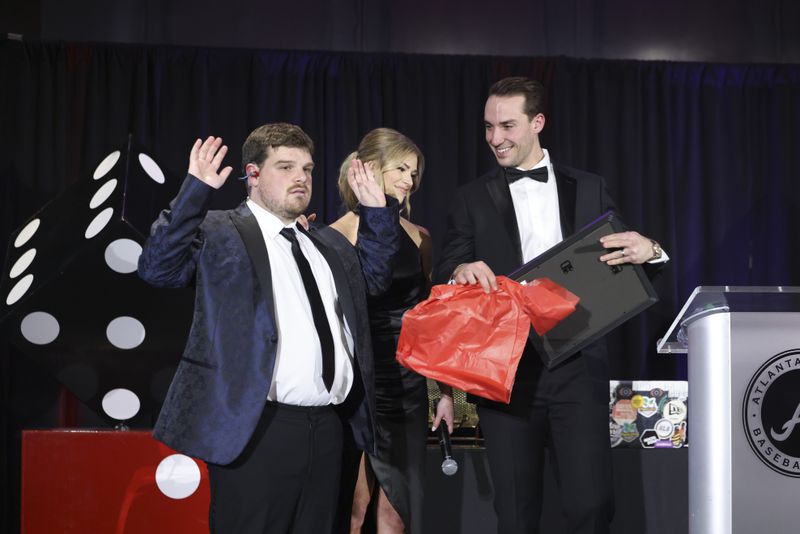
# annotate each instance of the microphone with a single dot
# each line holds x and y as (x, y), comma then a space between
(449, 465)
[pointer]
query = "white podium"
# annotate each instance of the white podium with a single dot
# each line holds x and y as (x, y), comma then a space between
(743, 346)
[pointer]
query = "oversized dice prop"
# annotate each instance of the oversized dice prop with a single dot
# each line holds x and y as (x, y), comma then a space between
(71, 299)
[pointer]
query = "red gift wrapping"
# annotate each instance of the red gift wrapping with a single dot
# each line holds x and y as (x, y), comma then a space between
(472, 340)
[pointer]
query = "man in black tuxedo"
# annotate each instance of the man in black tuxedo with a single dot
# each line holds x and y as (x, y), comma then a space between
(278, 364)
(497, 223)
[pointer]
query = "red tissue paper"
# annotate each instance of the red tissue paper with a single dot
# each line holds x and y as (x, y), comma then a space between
(472, 340)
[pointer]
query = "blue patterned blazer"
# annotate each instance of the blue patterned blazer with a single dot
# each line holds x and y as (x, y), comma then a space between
(220, 387)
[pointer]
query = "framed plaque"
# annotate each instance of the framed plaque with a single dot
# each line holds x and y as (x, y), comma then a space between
(609, 295)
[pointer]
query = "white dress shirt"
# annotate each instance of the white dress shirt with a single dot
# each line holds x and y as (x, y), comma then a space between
(536, 208)
(538, 219)
(297, 377)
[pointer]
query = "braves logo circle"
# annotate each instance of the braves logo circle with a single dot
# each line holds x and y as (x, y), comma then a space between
(771, 413)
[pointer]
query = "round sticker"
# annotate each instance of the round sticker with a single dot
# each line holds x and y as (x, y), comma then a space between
(664, 429)
(674, 411)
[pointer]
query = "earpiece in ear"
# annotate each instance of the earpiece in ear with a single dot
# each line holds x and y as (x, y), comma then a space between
(254, 174)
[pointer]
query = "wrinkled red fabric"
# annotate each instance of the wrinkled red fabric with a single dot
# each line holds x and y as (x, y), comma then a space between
(472, 340)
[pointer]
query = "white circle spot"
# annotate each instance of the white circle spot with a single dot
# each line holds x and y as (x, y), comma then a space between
(151, 168)
(22, 263)
(121, 404)
(125, 332)
(106, 165)
(103, 193)
(19, 289)
(26, 233)
(40, 328)
(99, 222)
(177, 476)
(122, 255)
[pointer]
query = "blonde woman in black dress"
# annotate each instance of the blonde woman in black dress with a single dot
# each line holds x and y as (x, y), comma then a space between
(392, 480)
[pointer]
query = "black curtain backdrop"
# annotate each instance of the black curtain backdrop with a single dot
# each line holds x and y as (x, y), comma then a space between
(702, 157)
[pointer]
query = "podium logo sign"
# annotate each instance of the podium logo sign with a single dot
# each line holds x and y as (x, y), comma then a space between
(771, 413)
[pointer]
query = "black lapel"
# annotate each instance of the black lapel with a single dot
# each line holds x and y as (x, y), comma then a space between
(339, 278)
(501, 197)
(253, 238)
(567, 196)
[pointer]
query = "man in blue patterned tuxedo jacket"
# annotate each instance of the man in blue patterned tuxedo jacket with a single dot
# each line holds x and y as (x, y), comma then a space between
(277, 370)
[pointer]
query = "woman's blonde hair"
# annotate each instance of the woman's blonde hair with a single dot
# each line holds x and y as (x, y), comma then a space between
(385, 148)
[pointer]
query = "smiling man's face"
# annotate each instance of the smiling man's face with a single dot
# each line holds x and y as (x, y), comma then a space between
(512, 136)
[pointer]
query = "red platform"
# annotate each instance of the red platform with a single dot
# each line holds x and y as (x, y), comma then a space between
(84, 481)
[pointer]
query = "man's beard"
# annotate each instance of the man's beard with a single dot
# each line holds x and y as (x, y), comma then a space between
(287, 209)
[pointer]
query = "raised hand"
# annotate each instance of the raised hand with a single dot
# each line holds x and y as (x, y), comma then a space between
(366, 189)
(205, 159)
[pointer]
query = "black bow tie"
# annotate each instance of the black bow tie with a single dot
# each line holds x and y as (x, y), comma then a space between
(513, 174)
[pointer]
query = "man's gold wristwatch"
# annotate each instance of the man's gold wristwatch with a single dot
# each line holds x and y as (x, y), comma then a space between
(657, 252)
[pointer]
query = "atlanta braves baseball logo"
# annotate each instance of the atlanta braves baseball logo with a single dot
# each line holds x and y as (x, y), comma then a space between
(771, 413)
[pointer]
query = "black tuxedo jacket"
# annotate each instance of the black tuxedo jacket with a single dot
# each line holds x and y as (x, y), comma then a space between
(482, 225)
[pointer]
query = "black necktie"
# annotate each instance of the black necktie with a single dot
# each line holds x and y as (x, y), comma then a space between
(513, 174)
(317, 308)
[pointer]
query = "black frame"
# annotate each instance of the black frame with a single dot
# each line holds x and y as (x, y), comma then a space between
(574, 264)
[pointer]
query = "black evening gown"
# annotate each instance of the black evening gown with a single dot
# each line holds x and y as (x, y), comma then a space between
(401, 394)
